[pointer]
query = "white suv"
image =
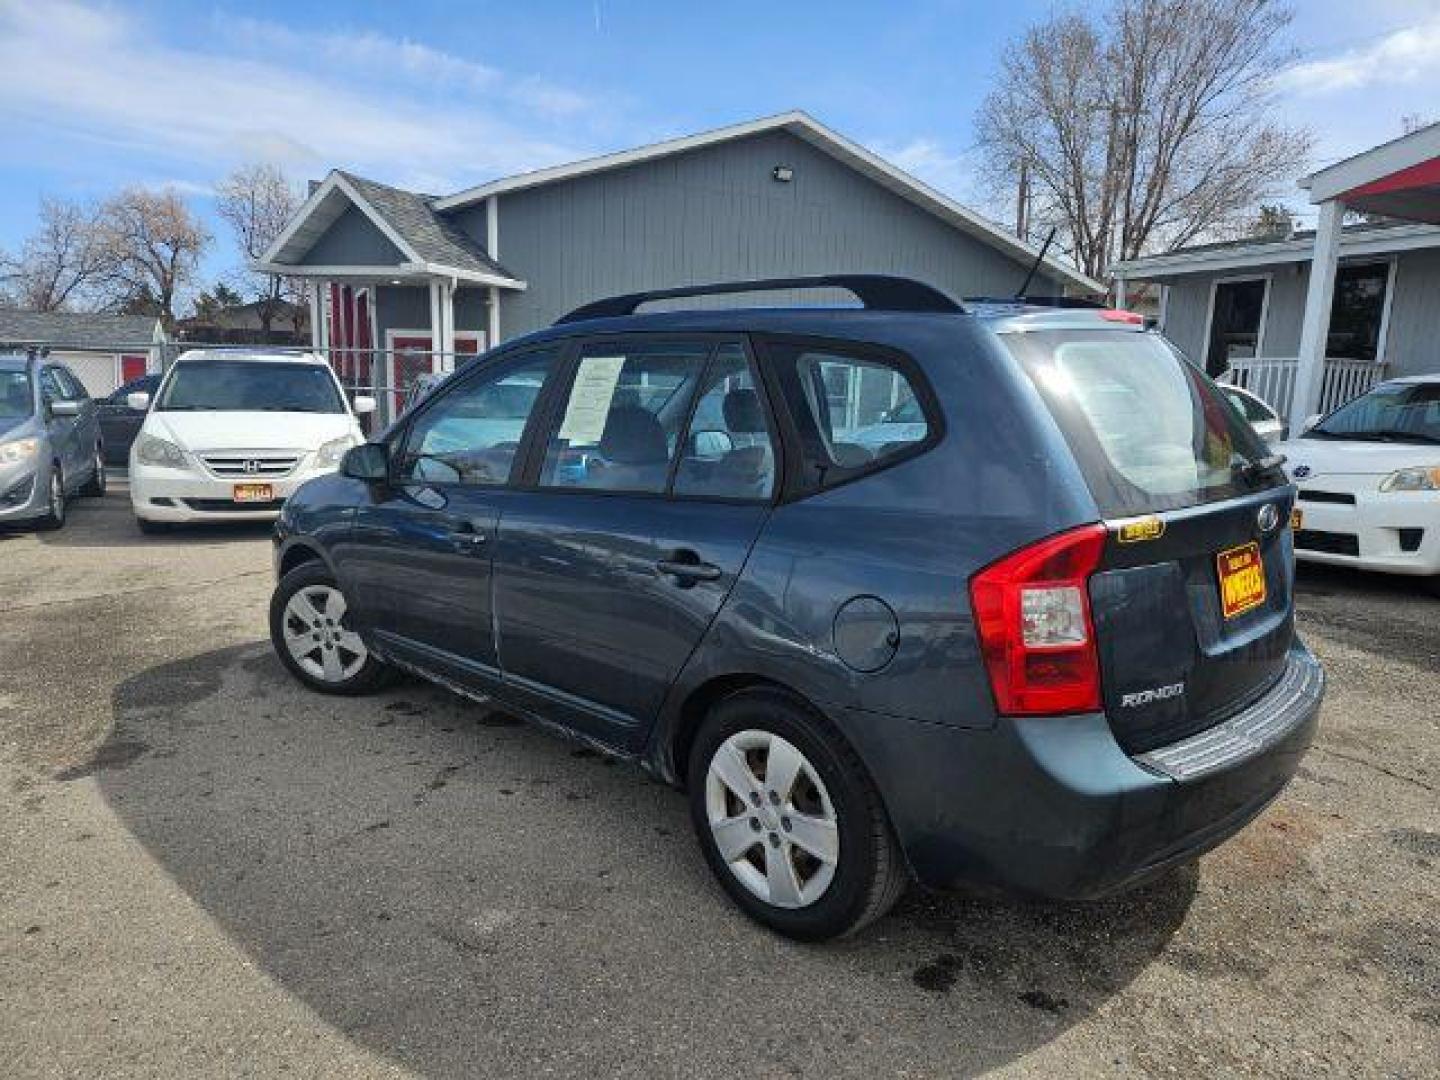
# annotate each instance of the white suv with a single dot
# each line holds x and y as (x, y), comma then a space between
(231, 434)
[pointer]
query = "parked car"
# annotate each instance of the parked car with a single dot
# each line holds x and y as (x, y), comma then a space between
(1040, 637)
(119, 423)
(1369, 479)
(231, 434)
(50, 444)
(1265, 420)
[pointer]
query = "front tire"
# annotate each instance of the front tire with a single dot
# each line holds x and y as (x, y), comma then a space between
(312, 635)
(789, 820)
(54, 516)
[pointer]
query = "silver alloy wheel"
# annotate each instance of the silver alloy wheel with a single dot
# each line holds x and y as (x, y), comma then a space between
(316, 635)
(100, 478)
(772, 819)
(57, 496)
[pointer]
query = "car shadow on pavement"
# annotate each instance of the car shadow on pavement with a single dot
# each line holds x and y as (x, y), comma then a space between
(468, 896)
(110, 523)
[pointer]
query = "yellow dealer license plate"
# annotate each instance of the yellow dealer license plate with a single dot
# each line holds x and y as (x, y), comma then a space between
(1242, 579)
(1297, 519)
(253, 493)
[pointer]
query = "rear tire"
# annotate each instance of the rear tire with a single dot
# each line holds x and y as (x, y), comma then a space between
(95, 486)
(312, 636)
(152, 528)
(823, 862)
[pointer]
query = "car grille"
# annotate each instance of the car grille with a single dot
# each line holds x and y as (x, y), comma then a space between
(228, 506)
(244, 465)
(1332, 543)
(1311, 495)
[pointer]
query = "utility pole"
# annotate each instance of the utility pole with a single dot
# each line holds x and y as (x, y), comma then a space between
(1022, 201)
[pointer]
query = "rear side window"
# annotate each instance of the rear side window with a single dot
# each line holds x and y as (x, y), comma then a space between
(1149, 431)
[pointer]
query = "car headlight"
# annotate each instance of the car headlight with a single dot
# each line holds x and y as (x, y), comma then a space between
(1421, 478)
(18, 450)
(329, 455)
(150, 450)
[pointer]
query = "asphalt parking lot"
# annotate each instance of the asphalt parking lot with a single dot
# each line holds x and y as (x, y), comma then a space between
(206, 870)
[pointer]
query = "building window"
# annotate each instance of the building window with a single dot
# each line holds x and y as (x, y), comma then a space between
(1358, 311)
(1237, 314)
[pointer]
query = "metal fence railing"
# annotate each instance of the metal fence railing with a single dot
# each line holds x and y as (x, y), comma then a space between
(1272, 379)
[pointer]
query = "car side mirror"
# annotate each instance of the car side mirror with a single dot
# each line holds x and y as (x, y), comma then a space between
(64, 408)
(363, 404)
(368, 461)
(138, 401)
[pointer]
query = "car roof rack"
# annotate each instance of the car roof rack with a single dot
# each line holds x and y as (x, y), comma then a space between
(877, 292)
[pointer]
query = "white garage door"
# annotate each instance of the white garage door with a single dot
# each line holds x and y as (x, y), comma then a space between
(96, 370)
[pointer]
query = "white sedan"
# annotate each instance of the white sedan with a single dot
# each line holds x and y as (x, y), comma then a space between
(231, 434)
(1369, 480)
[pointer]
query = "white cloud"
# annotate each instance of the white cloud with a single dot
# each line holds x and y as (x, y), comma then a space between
(401, 111)
(1405, 57)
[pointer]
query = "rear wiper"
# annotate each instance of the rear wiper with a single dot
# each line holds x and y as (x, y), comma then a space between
(1254, 470)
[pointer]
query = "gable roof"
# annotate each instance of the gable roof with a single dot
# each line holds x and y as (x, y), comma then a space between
(426, 240)
(806, 127)
(80, 330)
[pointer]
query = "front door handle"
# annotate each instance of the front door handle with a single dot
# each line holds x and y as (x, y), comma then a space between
(687, 571)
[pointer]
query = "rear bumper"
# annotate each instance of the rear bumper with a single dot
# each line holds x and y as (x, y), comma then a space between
(1054, 807)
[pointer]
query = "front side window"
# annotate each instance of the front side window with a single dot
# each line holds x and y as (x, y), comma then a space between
(472, 432)
(727, 453)
(250, 386)
(622, 419)
(1394, 412)
(16, 396)
(74, 389)
(50, 385)
(1249, 408)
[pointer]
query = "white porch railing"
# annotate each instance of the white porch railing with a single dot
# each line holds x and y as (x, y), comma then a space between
(1272, 379)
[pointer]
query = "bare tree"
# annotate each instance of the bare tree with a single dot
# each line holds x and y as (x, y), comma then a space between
(257, 201)
(154, 244)
(61, 263)
(1143, 125)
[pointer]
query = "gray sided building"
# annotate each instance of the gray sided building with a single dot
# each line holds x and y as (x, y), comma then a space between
(404, 281)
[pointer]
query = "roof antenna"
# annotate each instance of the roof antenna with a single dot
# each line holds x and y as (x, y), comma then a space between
(1020, 294)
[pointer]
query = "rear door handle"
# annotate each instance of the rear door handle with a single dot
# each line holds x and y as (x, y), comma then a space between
(686, 572)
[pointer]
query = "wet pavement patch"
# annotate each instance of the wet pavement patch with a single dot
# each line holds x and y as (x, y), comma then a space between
(939, 975)
(115, 754)
(1039, 999)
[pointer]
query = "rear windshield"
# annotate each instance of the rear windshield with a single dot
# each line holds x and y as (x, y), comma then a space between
(250, 386)
(1149, 430)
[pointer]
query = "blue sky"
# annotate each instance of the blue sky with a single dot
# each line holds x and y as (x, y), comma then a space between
(438, 96)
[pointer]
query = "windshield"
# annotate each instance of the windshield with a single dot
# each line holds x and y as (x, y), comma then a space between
(1149, 430)
(250, 386)
(1398, 412)
(17, 399)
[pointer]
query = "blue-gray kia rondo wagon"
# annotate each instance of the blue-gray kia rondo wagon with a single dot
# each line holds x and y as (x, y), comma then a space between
(998, 594)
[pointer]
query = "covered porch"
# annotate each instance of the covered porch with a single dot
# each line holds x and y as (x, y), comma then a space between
(394, 292)
(1399, 181)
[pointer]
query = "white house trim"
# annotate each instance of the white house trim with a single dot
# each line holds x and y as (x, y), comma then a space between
(1264, 311)
(812, 131)
(1386, 159)
(1384, 241)
(336, 182)
(1382, 337)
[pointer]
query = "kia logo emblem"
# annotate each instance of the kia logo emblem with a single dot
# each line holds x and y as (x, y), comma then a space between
(251, 465)
(1268, 518)
(1302, 471)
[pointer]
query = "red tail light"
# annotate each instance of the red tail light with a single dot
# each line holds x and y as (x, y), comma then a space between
(1117, 315)
(1032, 612)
